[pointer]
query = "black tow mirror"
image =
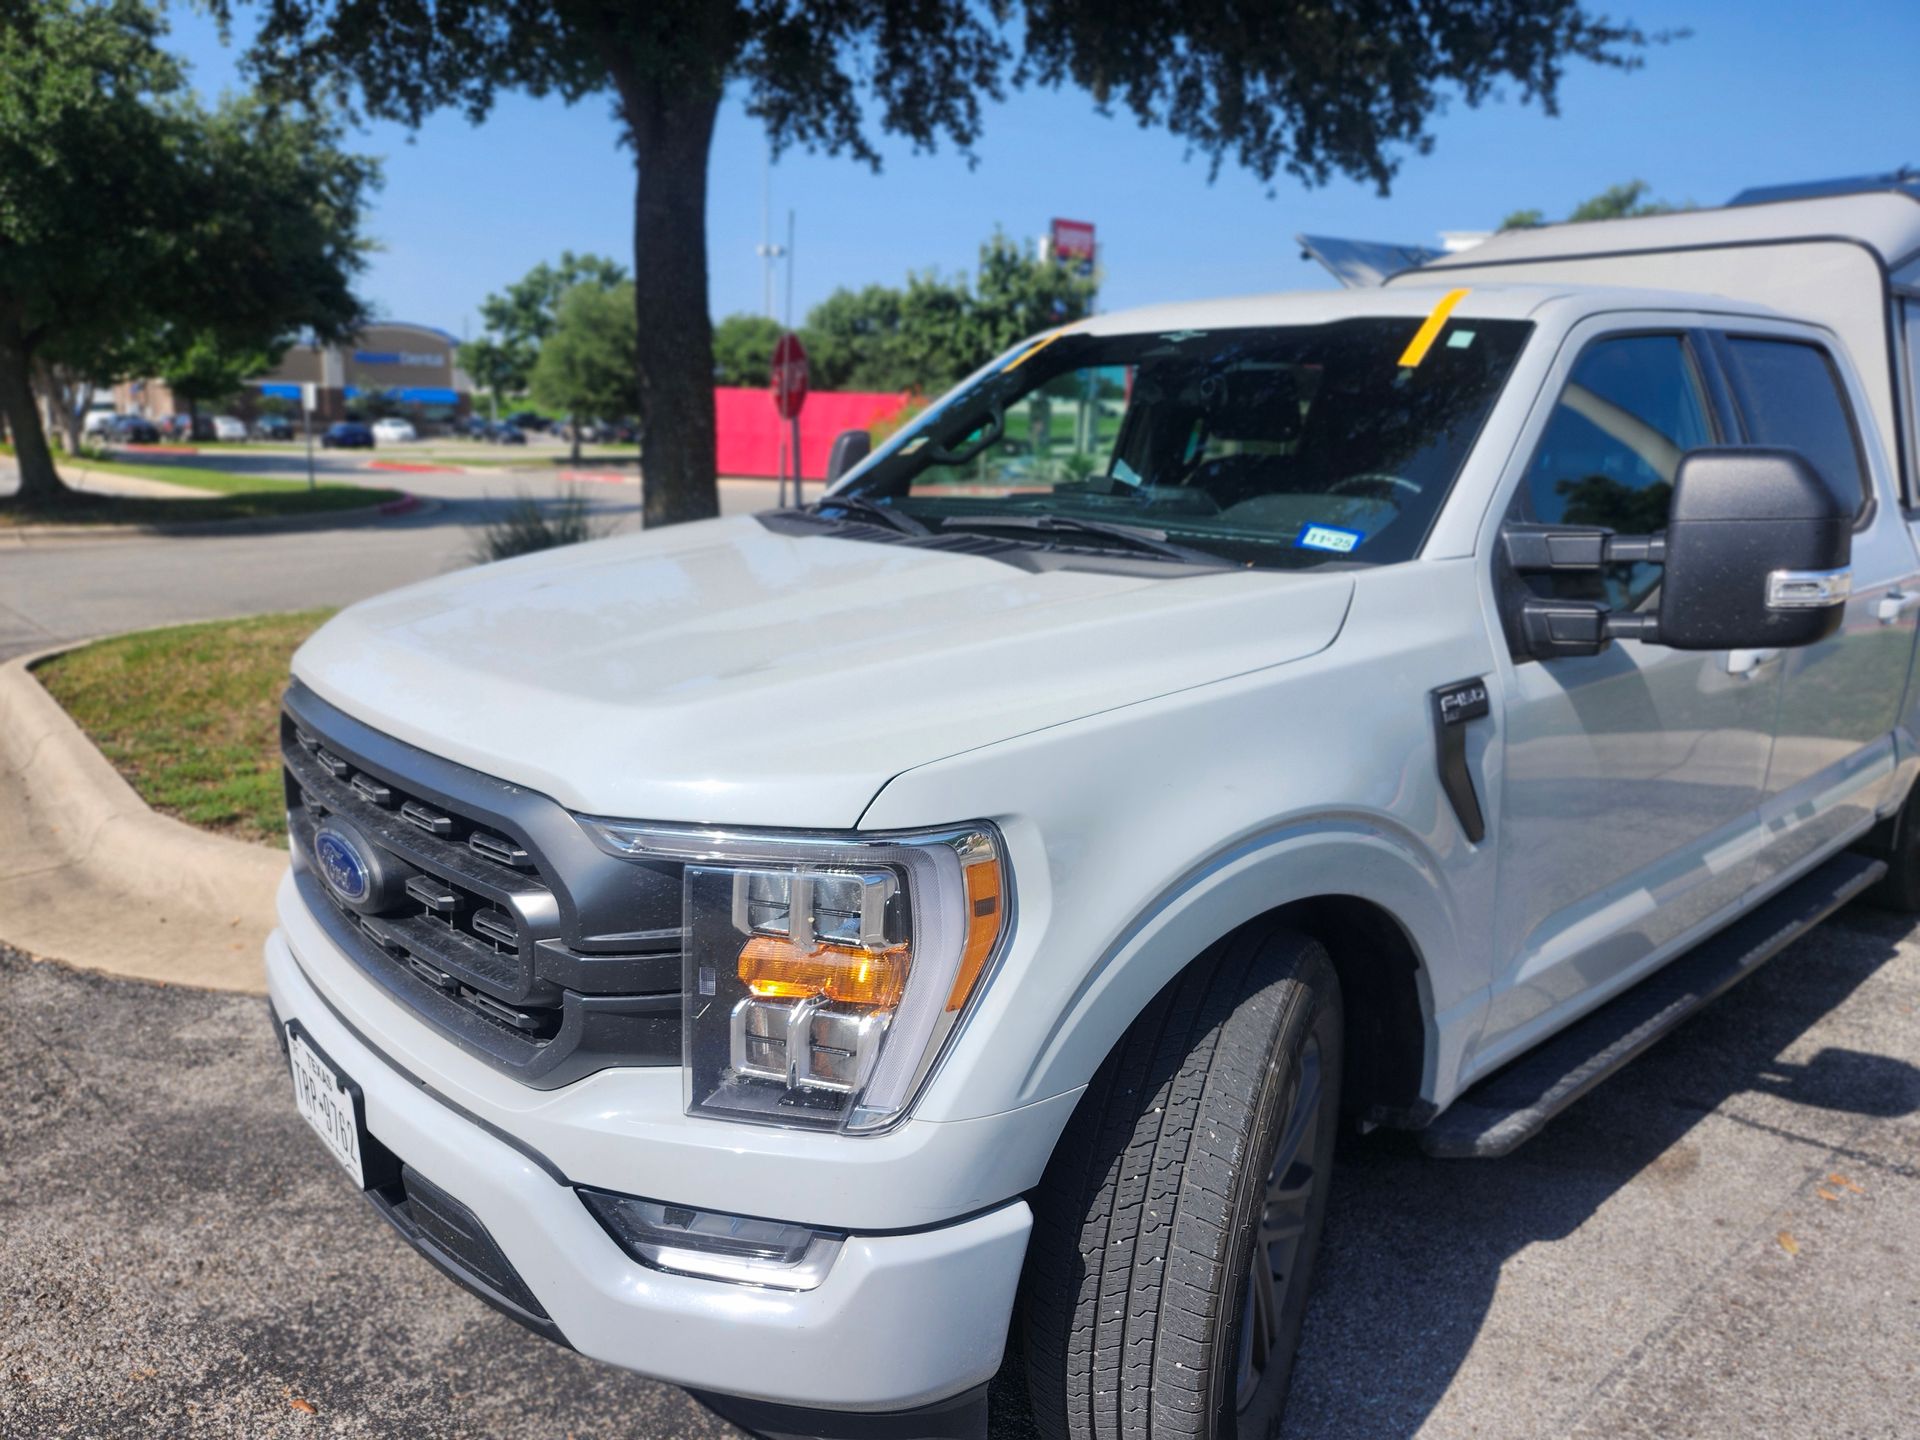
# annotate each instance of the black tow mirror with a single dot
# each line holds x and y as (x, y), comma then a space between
(1759, 553)
(850, 447)
(1756, 555)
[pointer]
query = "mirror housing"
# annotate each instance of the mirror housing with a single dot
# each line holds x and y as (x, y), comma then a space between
(1759, 551)
(1757, 555)
(850, 447)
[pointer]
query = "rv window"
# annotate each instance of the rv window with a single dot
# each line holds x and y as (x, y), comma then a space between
(1790, 394)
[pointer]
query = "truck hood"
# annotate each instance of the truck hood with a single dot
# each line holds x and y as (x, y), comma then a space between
(720, 673)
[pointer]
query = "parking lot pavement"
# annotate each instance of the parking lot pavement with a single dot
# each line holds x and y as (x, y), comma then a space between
(78, 589)
(1721, 1242)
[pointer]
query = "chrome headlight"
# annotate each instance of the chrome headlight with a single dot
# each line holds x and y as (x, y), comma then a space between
(824, 973)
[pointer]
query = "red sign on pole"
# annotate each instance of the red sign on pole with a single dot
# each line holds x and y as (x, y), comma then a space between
(1073, 239)
(789, 376)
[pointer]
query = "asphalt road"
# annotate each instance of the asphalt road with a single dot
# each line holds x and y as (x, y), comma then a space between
(77, 589)
(1718, 1243)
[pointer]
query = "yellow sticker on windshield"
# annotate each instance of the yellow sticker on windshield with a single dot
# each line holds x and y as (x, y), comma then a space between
(1430, 328)
(1031, 351)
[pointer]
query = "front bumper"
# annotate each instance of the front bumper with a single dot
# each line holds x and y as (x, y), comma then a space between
(902, 1319)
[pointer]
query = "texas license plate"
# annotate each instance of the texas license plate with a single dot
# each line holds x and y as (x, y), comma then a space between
(327, 1099)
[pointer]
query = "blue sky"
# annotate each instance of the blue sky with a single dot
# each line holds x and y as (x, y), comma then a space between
(1764, 90)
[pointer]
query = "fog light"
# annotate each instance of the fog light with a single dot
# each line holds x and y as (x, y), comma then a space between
(713, 1245)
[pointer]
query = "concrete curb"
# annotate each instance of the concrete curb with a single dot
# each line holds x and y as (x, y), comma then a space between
(90, 875)
(407, 504)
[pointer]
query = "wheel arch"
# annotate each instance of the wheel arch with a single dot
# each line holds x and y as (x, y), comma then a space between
(1377, 904)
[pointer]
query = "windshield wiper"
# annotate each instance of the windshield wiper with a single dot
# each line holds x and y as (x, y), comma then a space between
(1136, 537)
(872, 510)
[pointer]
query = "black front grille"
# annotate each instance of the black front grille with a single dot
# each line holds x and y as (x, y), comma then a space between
(491, 911)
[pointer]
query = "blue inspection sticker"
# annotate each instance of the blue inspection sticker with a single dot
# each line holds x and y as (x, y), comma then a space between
(1328, 537)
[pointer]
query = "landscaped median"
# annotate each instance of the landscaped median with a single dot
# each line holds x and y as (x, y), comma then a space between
(189, 716)
(139, 777)
(225, 497)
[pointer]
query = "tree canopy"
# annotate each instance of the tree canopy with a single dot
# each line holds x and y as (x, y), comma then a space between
(585, 367)
(922, 336)
(135, 223)
(519, 317)
(1301, 87)
(1616, 202)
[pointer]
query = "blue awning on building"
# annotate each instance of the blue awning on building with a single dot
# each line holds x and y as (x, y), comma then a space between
(280, 391)
(424, 395)
(352, 392)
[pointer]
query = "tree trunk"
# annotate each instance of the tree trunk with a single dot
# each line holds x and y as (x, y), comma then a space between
(573, 427)
(40, 484)
(670, 121)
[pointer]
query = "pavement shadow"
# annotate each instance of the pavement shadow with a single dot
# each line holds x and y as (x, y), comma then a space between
(1415, 1246)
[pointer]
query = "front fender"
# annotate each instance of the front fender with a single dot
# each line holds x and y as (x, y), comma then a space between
(1367, 858)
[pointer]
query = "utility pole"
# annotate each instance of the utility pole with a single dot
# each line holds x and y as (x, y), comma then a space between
(768, 252)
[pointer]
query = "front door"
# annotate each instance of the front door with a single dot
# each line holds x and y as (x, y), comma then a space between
(1632, 778)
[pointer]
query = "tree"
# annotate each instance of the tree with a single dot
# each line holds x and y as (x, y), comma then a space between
(1301, 86)
(131, 217)
(1616, 202)
(203, 366)
(586, 364)
(743, 349)
(936, 330)
(520, 317)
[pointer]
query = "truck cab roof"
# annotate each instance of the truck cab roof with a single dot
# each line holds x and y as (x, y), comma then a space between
(1414, 295)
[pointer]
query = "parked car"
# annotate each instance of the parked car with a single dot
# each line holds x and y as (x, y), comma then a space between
(229, 427)
(273, 427)
(530, 420)
(1387, 707)
(98, 422)
(393, 431)
(470, 427)
(504, 432)
(133, 430)
(347, 435)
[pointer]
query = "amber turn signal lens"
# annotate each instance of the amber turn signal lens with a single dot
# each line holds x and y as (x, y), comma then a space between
(774, 968)
(984, 905)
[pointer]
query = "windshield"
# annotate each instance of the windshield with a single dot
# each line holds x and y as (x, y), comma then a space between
(1288, 447)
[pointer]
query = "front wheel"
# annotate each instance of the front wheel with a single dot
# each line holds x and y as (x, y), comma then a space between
(1176, 1227)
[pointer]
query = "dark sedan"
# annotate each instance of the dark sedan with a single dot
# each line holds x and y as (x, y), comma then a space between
(347, 435)
(133, 430)
(506, 433)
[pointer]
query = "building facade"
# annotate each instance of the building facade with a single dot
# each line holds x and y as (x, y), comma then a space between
(389, 368)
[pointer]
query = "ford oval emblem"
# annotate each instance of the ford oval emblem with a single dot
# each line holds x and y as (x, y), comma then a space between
(342, 866)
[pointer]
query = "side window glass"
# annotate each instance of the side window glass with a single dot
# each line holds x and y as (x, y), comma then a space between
(1632, 407)
(1790, 394)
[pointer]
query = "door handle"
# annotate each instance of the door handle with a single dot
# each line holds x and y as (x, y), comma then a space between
(1896, 603)
(1749, 662)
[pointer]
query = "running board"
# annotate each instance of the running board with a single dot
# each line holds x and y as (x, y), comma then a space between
(1515, 1103)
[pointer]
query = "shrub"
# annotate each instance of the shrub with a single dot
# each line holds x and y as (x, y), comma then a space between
(529, 526)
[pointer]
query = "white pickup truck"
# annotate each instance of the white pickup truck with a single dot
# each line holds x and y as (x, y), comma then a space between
(808, 957)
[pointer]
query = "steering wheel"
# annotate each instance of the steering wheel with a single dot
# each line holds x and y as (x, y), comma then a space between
(991, 431)
(1373, 479)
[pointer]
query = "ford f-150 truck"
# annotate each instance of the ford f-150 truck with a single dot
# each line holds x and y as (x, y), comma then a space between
(808, 956)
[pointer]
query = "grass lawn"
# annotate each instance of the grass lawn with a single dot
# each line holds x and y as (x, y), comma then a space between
(237, 497)
(190, 716)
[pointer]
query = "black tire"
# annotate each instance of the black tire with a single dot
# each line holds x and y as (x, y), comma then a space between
(1899, 888)
(1137, 1293)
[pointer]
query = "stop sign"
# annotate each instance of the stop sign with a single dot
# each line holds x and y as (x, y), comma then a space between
(789, 376)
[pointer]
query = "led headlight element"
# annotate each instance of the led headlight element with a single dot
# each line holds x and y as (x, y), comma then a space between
(823, 974)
